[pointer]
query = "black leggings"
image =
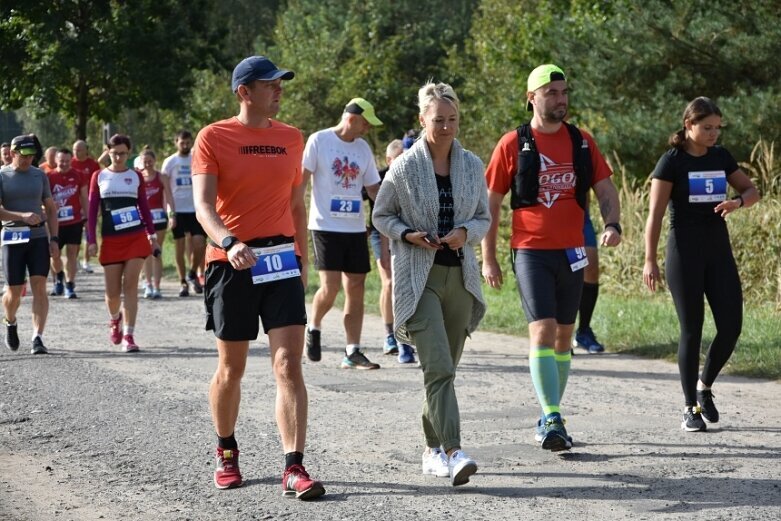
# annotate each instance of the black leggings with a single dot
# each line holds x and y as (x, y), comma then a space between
(700, 262)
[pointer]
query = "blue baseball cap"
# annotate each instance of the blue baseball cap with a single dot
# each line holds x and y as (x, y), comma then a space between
(257, 68)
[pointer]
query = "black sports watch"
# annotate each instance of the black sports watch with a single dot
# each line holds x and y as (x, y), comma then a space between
(228, 241)
(54, 238)
(616, 226)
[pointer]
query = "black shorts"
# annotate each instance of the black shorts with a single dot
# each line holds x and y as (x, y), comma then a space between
(162, 226)
(20, 259)
(187, 223)
(338, 251)
(233, 303)
(70, 234)
(548, 286)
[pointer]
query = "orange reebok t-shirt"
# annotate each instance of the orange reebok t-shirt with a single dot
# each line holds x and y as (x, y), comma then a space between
(556, 221)
(256, 171)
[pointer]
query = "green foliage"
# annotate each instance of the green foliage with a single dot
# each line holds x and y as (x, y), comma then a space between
(379, 50)
(97, 59)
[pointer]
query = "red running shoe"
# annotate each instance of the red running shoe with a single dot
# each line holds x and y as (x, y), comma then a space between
(129, 345)
(115, 330)
(227, 473)
(296, 482)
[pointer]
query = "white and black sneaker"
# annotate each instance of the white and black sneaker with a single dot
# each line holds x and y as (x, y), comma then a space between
(709, 411)
(38, 347)
(692, 420)
(313, 350)
(11, 335)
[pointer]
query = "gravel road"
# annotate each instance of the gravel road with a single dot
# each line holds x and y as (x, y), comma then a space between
(90, 433)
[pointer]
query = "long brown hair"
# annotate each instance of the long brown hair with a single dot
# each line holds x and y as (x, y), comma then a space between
(697, 110)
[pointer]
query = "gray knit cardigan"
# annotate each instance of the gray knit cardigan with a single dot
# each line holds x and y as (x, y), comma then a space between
(409, 199)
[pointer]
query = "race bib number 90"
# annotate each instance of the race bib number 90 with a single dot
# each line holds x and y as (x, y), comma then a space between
(158, 215)
(16, 235)
(577, 258)
(125, 217)
(275, 263)
(707, 187)
(346, 206)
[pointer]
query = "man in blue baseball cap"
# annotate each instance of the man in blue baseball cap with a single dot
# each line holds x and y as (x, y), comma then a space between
(248, 193)
(257, 68)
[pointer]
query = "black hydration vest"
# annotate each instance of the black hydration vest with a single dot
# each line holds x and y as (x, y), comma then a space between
(525, 186)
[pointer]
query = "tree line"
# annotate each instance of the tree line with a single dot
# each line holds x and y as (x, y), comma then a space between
(153, 67)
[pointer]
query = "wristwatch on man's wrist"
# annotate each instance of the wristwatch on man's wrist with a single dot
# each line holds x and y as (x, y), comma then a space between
(616, 226)
(228, 241)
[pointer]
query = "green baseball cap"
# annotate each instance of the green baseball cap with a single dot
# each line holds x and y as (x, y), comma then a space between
(364, 108)
(541, 76)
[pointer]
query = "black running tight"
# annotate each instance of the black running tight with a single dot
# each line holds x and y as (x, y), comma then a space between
(700, 263)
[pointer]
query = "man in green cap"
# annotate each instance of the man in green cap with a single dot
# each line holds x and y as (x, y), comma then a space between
(548, 166)
(27, 242)
(340, 163)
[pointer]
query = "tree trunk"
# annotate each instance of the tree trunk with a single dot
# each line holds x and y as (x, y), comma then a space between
(82, 109)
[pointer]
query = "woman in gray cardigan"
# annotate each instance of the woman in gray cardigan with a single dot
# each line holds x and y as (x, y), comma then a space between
(433, 207)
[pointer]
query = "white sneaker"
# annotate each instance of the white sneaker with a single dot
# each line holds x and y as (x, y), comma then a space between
(149, 291)
(434, 463)
(86, 267)
(461, 467)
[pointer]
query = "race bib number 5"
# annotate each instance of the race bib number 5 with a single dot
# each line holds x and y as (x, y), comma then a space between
(274, 263)
(577, 258)
(125, 217)
(346, 206)
(707, 187)
(16, 235)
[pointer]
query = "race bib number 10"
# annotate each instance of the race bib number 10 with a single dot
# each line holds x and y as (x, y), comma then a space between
(577, 258)
(707, 187)
(125, 217)
(346, 206)
(274, 263)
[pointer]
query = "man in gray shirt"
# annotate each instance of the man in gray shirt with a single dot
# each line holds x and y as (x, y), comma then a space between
(25, 241)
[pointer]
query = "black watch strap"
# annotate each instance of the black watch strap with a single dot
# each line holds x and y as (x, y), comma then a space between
(616, 226)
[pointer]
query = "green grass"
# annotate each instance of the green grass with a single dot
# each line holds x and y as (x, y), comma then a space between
(643, 325)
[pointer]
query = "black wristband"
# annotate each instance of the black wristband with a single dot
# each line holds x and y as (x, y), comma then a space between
(739, 198)
(54, 238)
(616, 226)
(404, 235)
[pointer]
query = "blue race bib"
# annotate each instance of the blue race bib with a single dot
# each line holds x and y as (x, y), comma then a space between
(707, 187)
(158, 215)
(184, 181)
(125, 217)
(577, 258)
(65, 213)
(346, 206)
(15, 235)
(274, 263)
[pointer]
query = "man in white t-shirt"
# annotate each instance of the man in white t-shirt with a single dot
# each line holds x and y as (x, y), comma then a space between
(182, 218)
(340, 164)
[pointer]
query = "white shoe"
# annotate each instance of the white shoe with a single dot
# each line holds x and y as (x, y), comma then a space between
(149, 291)
(461, 467)
(86, 267)
(434, 463)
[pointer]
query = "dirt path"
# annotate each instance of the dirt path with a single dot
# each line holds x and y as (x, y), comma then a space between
(89, 433)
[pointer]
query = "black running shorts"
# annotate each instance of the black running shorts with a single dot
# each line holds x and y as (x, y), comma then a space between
(70, 234)
(187, 223)
(20, 259)
(234, 303)
(338, 251)
(547, 285)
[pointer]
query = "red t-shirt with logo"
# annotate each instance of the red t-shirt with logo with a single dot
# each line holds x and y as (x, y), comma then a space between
(87, 167)
(66, 192)
(256, 171)
(556, 222)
